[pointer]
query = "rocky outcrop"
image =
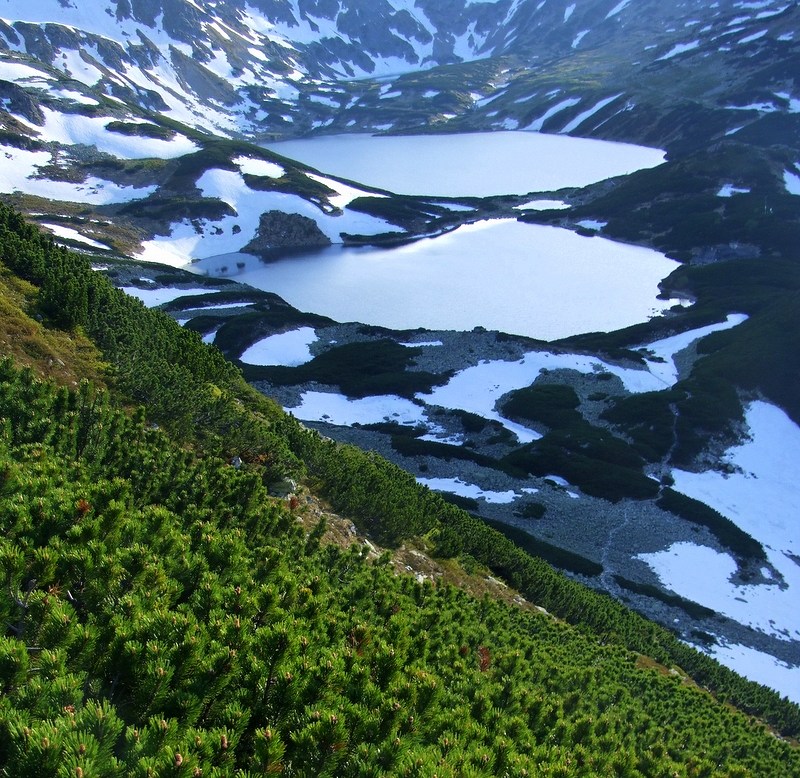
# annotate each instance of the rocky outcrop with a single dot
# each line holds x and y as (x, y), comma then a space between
(278, 230)
(20, 102)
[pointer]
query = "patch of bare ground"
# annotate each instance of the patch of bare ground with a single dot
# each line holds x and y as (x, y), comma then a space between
(411, 558)
(52, 354)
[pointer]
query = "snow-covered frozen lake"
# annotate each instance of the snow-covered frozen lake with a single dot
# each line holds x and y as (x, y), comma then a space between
(525, 279)
(469, 164)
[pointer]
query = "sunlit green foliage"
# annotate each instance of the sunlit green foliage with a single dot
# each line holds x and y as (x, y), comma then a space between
(385, 501)
(190, 389)
(163, 615)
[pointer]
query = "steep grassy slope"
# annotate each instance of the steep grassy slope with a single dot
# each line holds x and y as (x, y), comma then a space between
(165, 614)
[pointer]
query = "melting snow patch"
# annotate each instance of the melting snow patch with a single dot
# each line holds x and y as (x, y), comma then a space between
(17, 175)
(67, 233)
(754, 37)
(728, 190)
(617, 8)
(463, 489)
(680, 48)
(542, 205)
(662, 362)
(287, 348)
(153, 297)
(791, 182)
(76, 97)
(221, 306)
(759, 667)
(455, 206)
(72, 128)
(450, 440)
(793, 102)
(761, 497)
(537, 124)
(477, 389)
(259, 167)
(188, 241)
(703, 575)
(344, 194)
(576, 41)
(584, 115)
(761, 107)
(17, 71)
(322, 99)
(338, 409)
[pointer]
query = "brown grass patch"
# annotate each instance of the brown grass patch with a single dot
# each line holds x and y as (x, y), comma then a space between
(64, 357)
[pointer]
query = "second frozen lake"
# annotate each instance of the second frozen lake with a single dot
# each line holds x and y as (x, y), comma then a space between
(525, 279)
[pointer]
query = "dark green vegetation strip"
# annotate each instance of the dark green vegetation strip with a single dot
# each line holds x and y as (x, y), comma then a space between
(218, 298)
(553, 405)
(385, 500)
(163, 612)
(240, 332)
(690, 214)
(687, 606)
(176, 208)
(725, 531)
(409, 212)
(555, 555)
(190, 389)
(358, 369)
(414, 447)
(593, 459)
(141, 129)
(649, 420)
(747, 247)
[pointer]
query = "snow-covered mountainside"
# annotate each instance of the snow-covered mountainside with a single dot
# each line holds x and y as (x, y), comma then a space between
(90, 90)
(290, 66)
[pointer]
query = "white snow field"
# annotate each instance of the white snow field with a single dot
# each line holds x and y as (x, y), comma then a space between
(477, 389)
(67, 233)
(792, 180)
(338, 409)
(464, 489)
(187, 241)
(287, 348)
(761, 497)
(542, 205)
(73, 128)
(18, 173)
(470, 164)
(153, 297)
(525, 279)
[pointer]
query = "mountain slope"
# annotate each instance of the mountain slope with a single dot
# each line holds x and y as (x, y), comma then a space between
(166, 613)
(289, 67)
(127, 129)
